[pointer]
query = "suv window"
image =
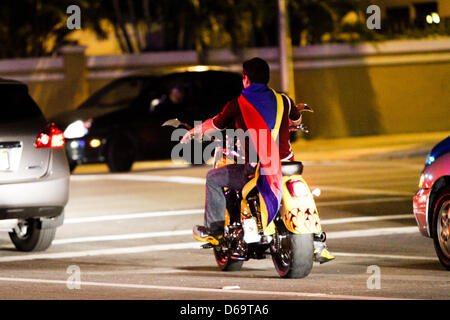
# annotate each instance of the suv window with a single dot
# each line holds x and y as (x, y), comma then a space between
(120, 93)
(171, 94)
(16, 104)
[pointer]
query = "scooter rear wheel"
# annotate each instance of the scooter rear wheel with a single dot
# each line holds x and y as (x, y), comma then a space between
(292, 254)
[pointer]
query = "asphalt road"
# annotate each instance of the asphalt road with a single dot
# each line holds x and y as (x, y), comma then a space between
(128, 236)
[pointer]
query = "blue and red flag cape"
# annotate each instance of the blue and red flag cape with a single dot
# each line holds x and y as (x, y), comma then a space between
(262, 109)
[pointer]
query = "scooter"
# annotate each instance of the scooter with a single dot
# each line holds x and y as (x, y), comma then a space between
(289, 238)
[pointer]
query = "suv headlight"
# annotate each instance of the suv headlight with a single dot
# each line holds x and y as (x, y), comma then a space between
(77, 129)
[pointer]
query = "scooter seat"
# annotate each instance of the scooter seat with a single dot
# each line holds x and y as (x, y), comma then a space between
(290, 168)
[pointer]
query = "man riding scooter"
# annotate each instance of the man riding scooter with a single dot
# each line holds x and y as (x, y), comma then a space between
(236, 114)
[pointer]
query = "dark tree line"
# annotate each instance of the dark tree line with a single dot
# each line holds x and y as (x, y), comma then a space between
(38, 27)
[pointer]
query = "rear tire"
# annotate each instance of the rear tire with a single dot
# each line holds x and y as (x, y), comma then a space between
(32, 238)
(292, 254)
(120, 153)
(440, 228)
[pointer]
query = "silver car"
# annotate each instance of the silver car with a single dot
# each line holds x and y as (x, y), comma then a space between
(34, 172)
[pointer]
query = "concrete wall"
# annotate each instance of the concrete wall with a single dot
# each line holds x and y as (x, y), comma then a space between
(394, 88)
(364, 89)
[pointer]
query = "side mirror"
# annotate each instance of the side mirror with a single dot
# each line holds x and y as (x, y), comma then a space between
(175, 123)
(172, 123)
(303, 107)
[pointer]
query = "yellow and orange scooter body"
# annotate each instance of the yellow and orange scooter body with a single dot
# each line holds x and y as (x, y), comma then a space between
(299, 211)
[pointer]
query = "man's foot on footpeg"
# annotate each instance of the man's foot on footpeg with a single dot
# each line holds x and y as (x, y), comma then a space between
(321, 253)
(201, 233)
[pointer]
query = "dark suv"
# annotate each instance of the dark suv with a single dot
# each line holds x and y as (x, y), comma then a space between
(121, 123)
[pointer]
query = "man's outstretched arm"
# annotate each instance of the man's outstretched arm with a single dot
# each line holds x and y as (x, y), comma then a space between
(218, 123)
(206, 127)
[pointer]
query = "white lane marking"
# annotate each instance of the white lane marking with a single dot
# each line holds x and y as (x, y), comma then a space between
(140, 271)
(202, 181)
(128, 216)
(132, 236)
(371, 232)
(135, 177)
(333, 235)
(198, 289)
(367, 219)
(383, 256)
(348, 202)
(140, 215)
(103, 252)
(364, 191)
(196, 245)
(168, 179)
(369, 164)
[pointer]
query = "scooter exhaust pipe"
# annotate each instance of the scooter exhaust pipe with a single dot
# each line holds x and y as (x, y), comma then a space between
(321, 236)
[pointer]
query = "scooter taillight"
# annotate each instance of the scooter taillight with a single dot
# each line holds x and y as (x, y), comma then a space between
(50, 137)
(297, 188)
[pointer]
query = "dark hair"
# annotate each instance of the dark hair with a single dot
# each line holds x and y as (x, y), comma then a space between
(257, 70)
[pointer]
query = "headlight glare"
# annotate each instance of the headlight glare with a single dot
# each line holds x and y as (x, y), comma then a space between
(76, 129)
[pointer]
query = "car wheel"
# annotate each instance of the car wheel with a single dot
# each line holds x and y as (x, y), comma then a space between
(440, 228)
(27, 236)
(120, 153)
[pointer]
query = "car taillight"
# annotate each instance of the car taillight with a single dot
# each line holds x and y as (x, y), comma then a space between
(297, 188)
(50, 137)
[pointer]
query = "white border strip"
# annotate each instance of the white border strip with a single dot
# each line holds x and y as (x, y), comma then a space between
(372, 61)
(197, 289)
(37, 77)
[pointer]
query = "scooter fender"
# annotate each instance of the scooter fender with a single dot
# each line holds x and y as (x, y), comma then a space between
(298, 210)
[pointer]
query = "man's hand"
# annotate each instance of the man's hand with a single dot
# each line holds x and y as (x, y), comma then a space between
(303, 107)
(198, 131)
(187, 137)
(295, 123)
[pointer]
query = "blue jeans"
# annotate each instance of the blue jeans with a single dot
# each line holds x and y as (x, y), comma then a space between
(233, 176)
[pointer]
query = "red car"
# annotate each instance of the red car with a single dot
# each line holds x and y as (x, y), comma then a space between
(432, 202)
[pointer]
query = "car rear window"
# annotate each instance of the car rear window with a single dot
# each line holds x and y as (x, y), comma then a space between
(16, 104)
(120, 93)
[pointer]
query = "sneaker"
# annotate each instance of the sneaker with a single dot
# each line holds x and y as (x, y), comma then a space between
(321, 253)
(202, 233)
